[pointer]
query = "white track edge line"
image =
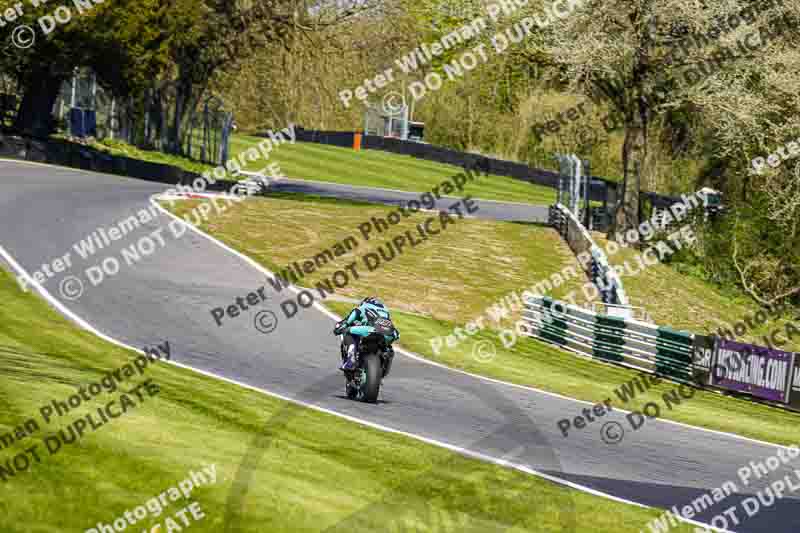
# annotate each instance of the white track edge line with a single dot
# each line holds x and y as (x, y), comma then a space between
(417, 357)
(478, 455)
(457, 449)
(401, 350)
(411, 355)
(463, 451)
(500, 462)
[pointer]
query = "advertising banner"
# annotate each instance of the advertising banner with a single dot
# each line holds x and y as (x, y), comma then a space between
(703, 347)
(755, 370)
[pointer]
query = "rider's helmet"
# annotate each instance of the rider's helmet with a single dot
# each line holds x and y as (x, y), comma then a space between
(373, 301)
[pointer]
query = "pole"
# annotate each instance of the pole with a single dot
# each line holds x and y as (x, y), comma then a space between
(586, 196)
(576, 184)
(74, 87)
(94, 91)
(111, 117)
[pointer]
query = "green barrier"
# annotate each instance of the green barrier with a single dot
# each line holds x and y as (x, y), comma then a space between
(660, 349)
(608, 352)
(674, 354)
(555, 334)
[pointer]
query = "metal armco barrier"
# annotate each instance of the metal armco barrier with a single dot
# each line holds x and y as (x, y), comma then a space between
(601, 190)
(630, 343)
(677, 355)
(580, 241)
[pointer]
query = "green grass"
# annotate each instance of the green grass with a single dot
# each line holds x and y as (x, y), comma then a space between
(120, 148)
(693, 305)
(374, 168)
(456, 275)
(537, 364)
(284, 468)
(452, 279)
(366, 168)
(451, 276)
(706, 308)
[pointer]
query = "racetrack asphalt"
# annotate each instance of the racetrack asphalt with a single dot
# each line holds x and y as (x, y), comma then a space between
(44, 210)
(489, 209)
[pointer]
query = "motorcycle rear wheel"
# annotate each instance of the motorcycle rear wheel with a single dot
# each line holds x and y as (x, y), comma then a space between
(371, 386)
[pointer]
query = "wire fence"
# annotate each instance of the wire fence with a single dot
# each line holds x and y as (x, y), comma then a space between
(84, 109)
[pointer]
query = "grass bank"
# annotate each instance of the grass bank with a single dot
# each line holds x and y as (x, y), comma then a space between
(450, 280)
(374, 168)
(537, 364)
(299, 458)
(366, 168)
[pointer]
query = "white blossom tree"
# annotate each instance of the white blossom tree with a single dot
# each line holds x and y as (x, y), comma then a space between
(642, 57)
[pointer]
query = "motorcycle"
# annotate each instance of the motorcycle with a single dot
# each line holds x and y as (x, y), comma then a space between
(373, 362)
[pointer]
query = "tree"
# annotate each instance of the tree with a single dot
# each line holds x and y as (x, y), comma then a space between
(751, 113)
(132, 43)
(119, 40)
(642, 57)
(299, 79)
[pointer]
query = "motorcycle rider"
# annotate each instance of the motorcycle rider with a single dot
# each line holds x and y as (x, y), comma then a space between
(357, 324)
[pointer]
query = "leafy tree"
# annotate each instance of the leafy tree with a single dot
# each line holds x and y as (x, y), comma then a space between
(752, 113)
(132, 43)
(643, 57)
(122, 41)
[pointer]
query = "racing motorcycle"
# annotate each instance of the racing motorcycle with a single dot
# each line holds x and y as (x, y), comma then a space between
(373, 361)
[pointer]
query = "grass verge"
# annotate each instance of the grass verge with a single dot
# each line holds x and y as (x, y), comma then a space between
(450, 281)
(537, 364)
(452, 275)
(373, 168)
(693, 304)
(308, 475)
